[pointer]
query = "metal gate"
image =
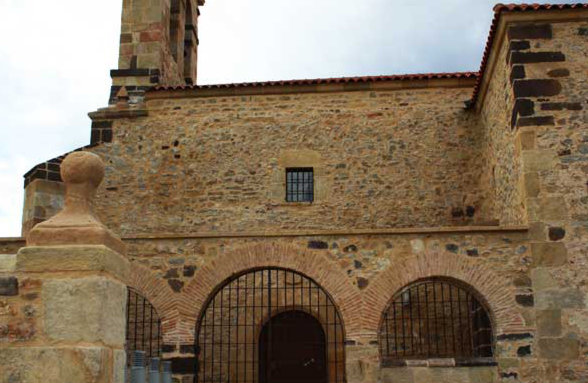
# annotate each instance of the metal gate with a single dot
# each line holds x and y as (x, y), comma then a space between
(143, 330)
(234, 332)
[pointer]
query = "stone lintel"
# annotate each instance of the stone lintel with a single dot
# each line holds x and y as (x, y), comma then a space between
(96, 258)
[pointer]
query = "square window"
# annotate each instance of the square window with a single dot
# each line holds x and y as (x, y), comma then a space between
(299, 185)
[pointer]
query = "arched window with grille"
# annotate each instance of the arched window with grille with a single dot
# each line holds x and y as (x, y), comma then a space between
(435, 318)
(143, 331)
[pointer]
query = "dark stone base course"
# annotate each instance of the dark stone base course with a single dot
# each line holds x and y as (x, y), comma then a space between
(536, 88)
(560, 72)
(536, 57)
(561, 106)
(8, 286)
(530, 31)
(535, 121)
(519, 45)
(522, 107)
(517, 73)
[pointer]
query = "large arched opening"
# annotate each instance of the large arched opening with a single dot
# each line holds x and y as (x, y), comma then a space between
(237, 329)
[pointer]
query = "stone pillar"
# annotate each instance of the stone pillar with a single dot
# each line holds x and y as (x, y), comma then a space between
(62, 311)
(362, 359)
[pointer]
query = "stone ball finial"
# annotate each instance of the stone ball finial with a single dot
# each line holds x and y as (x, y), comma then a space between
(82, 167)
(76, 224)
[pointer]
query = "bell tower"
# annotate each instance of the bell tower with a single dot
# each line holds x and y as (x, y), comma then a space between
(158, 45)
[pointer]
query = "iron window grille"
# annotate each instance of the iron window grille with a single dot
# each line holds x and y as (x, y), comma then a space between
(143, 332)
(435, 318)
(299, 185)
(239, 317)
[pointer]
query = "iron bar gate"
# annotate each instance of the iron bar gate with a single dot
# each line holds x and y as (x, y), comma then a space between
(435, 318)
(143, 331)
(248, 309)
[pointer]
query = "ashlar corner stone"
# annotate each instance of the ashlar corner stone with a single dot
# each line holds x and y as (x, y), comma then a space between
(85, 310)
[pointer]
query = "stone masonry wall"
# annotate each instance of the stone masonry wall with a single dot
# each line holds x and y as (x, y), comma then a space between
(382, 159)
(499, 160)
(551, 90)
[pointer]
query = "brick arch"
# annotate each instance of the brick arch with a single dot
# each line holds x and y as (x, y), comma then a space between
(492, 288)
(160, 295)
(314, 265)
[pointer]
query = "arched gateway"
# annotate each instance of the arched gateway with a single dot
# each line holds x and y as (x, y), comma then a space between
(270, 325)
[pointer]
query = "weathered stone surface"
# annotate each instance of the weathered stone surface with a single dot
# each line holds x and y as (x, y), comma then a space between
(530, 31)
(7, 262)
(549, 254)
(88, 309)
(387, 375)
(556, 233)
(542, 279)
(558, 348)
(76, 224)
(560, 299)
(548, 209)
(8, 286)
(119, 366)
(45, 364)
(549, 323)
(72, 258)
(536, 57)
(536, 88)
(538, 160)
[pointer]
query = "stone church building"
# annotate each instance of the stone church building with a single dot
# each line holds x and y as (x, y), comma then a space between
(397, 229)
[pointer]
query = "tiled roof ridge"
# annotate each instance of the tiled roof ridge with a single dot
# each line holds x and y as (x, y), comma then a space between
(498, 10)
(331, 80)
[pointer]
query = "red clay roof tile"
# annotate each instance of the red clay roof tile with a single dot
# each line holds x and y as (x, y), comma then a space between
(498, 10)
(337, 80)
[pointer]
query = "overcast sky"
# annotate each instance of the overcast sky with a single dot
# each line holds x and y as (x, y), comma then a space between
(55, 58)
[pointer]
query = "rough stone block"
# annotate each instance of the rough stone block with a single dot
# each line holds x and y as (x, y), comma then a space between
(7, 262)
(483, 374)
(63, 365)
(532, 185)
(542, 279)
(519, 45)
(535, 121)
(72, 258)
(559, 72)
(539, 160)
(559, 348)
(536, 88)
(8, 286)
(536, 57)
(549, 254)
(548, 209)
(119, 365)
(88, 309)
(390, 375)
(549, 322)
(517, 72)
(530, 31)
(560, 299)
